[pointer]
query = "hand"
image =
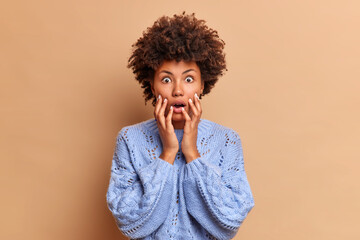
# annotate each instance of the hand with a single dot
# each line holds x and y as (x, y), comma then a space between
(188, 144)
(166, 130)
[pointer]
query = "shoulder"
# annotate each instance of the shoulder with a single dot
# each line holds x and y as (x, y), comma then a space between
(140, 128)
(220, 140)
(212, 128)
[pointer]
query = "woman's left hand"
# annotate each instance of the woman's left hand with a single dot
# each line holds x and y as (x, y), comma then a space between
(188, 144)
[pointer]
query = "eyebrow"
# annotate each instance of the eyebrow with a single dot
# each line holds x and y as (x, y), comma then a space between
(164, 71)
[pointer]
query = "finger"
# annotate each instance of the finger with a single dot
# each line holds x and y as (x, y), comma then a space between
(161, 114)
(169, 118)
(157, 106)
(198, 103)
(186, 115)
(194, 111)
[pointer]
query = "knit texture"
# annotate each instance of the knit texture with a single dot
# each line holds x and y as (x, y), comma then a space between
(208, 198)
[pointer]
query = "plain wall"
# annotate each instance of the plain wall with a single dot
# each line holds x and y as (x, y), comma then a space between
(291, 92)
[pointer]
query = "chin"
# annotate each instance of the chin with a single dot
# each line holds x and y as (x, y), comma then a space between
(178, 117)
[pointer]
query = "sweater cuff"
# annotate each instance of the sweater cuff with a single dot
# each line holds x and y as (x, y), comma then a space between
(157, 168)
(200, 166)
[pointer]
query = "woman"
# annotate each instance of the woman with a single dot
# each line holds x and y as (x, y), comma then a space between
(178, 176)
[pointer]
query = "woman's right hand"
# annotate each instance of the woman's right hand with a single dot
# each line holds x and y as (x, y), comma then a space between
(166, 130)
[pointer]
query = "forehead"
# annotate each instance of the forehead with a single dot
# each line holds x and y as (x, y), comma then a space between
(177, 67)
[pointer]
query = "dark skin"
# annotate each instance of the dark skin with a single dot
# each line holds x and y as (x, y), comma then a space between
(173, 82)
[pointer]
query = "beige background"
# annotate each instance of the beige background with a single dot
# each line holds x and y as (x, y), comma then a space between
(291, 92)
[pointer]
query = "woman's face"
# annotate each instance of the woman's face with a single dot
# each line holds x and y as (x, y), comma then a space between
(177, 82)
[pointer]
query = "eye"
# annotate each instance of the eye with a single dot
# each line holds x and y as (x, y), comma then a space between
(166, 80)
(189, 79)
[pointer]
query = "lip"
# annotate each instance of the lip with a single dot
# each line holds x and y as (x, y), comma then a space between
(176, 109)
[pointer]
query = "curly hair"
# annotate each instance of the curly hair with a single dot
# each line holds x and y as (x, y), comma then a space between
(182, 37)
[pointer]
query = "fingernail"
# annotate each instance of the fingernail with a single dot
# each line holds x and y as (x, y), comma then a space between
(165, 100)
(190, 100)
(158, 98)
(183, 109)
(196, 96)
(171, 108)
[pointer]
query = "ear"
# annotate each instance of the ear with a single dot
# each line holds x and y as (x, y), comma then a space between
(202, 87)
(152, 87)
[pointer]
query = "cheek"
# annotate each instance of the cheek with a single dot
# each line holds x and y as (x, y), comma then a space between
(193, 91)
(163, 91)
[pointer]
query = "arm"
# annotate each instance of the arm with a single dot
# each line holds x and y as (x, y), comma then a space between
(139, 200)
(219, 198)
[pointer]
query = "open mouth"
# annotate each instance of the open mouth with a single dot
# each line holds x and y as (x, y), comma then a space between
(179, 105)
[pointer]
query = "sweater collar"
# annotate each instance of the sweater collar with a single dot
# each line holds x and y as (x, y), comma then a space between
(203, 127)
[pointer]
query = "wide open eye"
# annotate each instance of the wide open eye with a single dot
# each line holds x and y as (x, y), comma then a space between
(189, 79)
(166, 80)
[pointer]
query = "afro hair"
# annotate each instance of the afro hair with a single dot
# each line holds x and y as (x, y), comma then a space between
(181, 38)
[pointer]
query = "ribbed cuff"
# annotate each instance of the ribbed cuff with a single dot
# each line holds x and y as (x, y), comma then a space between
(199, 166)
(157, 166)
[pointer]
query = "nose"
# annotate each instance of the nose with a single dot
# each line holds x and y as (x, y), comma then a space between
(178, 89)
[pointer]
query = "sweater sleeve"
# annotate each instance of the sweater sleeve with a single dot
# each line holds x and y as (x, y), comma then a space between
(219, 196)
(138, 199)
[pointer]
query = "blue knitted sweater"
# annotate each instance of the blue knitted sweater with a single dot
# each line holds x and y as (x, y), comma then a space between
(208, 198)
